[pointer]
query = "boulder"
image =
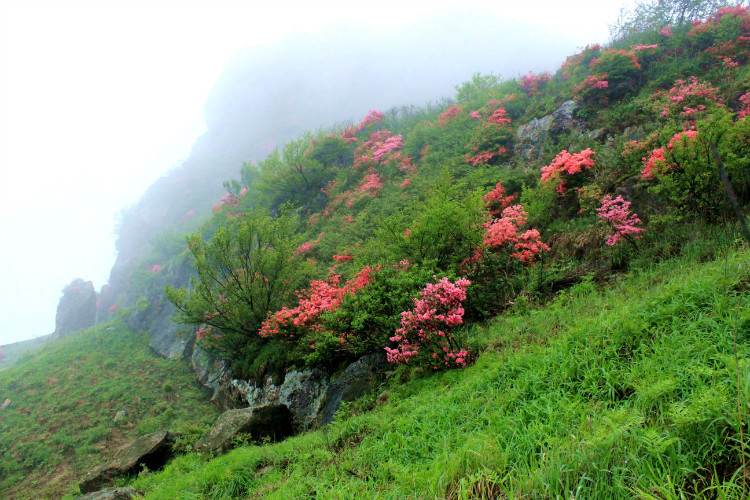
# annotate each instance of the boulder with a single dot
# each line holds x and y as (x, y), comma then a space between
(152, 450)
(267, 421)
(355, 381)
(76, 309)
(111, 494)
(302, 392)
(530, 137)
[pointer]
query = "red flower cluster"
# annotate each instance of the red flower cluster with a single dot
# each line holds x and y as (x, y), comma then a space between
(323, 295)
(657, 161)
(569, 164)
(426, 327)
(504, 231)
(532, 82)
(496, 200)
(499, 117)
(452, 112)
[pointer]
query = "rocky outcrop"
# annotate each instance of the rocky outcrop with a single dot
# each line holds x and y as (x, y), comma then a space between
(76, 309)
(303, 392)
(152, 450)
(270, 421)
(531, 137)
(355, 381)
(111, 494)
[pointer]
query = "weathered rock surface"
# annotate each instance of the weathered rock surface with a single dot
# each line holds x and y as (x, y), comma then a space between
(111, 494)
(530, 137)
(302, 392)
(272, 421)
(152, 450)
(354, 382)
(76, 309)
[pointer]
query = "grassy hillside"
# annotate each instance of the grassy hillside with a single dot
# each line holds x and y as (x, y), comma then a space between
(64, 398)
(623, 391)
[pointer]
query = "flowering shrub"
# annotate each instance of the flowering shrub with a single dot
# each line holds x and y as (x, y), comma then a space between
(615, 212)
(657, 162)
(496, 200)
(567, 164)
(503, 233)
(372, 117)
(688, 98)
(532, 83)
(499, 117)
(155, 268)
(449, 115)
(291, 324)
(666, 32)
(379, 148)
(425, 333)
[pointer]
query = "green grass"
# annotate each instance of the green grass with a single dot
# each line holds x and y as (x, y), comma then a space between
(623, 392)
(64, 399)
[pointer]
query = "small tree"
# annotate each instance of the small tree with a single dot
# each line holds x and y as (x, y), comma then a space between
(245, 270)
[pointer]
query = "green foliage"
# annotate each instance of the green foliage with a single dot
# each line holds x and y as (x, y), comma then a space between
(244, 271)
(65, 396)
(608, 393)
(440, 231)
(369, 318)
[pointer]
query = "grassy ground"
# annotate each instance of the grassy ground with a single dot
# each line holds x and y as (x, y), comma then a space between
(64, 400)
(14, 352)
(630, 391)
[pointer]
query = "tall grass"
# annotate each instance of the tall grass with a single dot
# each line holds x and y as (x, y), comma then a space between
(623, 392)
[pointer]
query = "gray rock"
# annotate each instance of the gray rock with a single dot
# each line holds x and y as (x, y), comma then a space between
(355, 381)
(111, 494)
(268, 421)
(76, 309)
(152, 450)
(302, 392)
(531, 136)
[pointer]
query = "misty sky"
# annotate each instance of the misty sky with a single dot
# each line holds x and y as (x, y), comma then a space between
(99, 98)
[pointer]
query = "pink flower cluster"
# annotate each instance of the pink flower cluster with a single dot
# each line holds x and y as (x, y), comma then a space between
(692, 92)
(532, 82)
(593, 82)
(666, 32)
(615, 212)
(485, 157)
(504, 231)
(499, 117)
(323, 295)
(427, 326)
(379, 147)
(657, 161)
(475, 115)
(645, 47)
(230, 200)
(449, 115)
(372, 117)
(568, 164)
(155, 268)
(714, 19)
(496, 200)
(745, 110)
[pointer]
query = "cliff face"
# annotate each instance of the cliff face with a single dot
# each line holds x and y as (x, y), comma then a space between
(77, 308)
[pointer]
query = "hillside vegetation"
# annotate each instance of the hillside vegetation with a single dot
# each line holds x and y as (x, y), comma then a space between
(541, 240)
(554, 266)
(64, 399)
(625, 391)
